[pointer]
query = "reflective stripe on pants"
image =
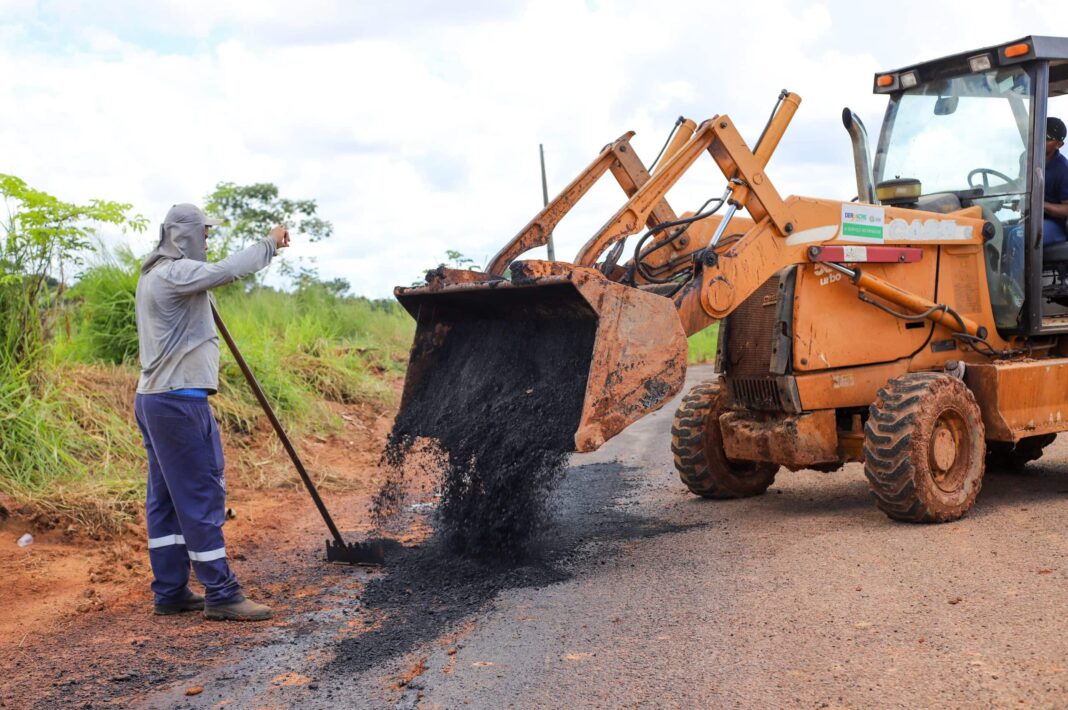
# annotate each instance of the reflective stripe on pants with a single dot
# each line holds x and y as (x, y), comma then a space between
(157, 542)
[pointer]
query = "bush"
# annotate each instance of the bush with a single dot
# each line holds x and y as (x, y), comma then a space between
(307, 348)
(46, 459)
(105, 297)
(71, 449)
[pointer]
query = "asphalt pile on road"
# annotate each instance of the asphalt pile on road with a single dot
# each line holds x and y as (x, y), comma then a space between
(501, 407)
(429, 590)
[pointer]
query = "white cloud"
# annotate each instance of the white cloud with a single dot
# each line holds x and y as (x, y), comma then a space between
(416, 124)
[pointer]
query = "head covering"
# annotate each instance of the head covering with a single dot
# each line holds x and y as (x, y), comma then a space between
(1055, 129)
(181, 236)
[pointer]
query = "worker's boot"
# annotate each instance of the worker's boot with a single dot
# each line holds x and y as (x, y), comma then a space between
(192, 602)
(244, 610)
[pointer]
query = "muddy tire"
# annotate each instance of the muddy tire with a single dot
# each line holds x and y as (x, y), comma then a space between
(1006, 457)
(700, 460)
(924, 448)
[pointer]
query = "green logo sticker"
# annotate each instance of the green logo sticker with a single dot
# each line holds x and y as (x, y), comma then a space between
(862, 222)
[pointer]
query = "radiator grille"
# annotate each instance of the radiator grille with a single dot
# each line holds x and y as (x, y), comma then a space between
(756, 393)
(749, 347)
(750, 333)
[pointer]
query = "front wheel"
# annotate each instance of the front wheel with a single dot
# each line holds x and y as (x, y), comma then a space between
(924, 448)
(697, 443)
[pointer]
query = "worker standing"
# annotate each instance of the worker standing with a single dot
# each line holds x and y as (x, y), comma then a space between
(179, 352)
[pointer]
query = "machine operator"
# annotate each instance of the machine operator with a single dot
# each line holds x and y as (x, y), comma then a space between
(1055, 204)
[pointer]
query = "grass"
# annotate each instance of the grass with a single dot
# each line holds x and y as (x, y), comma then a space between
(703, 345)
(307, 349)
(70, 450)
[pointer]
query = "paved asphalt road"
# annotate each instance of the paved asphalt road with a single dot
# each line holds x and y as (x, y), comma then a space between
(646, 596)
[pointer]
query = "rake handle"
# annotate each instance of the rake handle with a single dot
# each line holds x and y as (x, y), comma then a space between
(269, 411)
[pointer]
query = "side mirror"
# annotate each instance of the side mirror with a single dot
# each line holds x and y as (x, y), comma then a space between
(946, 105)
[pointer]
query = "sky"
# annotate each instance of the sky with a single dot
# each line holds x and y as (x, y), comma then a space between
(415, 124)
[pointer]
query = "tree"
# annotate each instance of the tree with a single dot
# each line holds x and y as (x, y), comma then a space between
(40, 236)
(250, 211)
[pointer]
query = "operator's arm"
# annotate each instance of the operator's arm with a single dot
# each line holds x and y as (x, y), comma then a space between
(1057, 210)
(188, 277)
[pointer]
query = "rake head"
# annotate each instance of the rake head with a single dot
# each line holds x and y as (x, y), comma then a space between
(371, 552)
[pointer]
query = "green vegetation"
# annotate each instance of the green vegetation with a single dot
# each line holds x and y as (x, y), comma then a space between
(70, 451)
(248, 212)
(41, 236)
(703, 345)
(310, 350)
(44, 452)
(101, 306)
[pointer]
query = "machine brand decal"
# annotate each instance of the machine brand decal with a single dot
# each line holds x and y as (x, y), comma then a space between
(929, 230)
(826, 274)
(862, 222)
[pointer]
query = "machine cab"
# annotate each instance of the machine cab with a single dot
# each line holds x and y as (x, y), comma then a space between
(970, 129)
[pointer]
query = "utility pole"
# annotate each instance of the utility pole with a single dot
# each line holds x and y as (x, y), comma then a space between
(545, 200)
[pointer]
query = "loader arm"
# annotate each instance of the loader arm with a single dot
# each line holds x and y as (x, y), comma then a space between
(627, 342)
(629, 171)
(743, 167)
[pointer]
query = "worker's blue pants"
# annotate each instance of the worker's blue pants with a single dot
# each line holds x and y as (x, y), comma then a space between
(1052, 233)
(186, 502)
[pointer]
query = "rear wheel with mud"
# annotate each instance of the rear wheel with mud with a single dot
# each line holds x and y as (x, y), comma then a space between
(924, 448)
(697, 443)
(1009, 457)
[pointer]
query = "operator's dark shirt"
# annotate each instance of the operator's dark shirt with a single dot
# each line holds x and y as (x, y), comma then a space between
(1057, 180)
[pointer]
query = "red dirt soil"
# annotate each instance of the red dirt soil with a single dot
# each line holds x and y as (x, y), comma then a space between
(76, 624)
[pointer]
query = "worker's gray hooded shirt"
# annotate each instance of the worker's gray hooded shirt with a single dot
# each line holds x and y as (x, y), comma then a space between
(176, 333)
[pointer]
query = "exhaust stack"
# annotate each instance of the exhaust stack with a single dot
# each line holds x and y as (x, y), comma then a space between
(858, 136)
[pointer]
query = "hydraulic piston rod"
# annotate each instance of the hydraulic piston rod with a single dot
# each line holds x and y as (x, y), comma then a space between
(916, 305)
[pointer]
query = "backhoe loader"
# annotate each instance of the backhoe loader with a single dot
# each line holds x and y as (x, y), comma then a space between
(914, 328)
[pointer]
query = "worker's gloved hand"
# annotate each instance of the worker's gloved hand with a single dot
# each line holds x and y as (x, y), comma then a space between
(281, 236)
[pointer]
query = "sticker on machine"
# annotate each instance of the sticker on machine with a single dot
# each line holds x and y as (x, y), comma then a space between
(930, 230)
(862, 223)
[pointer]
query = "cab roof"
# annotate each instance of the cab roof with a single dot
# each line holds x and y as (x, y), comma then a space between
(1037, 48)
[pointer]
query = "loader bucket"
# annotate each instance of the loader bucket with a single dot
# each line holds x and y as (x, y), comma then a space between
(563, 344)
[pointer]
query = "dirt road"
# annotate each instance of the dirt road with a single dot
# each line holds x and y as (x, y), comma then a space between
(645, 596)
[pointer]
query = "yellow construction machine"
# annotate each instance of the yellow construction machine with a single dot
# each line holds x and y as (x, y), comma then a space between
(913, 328)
